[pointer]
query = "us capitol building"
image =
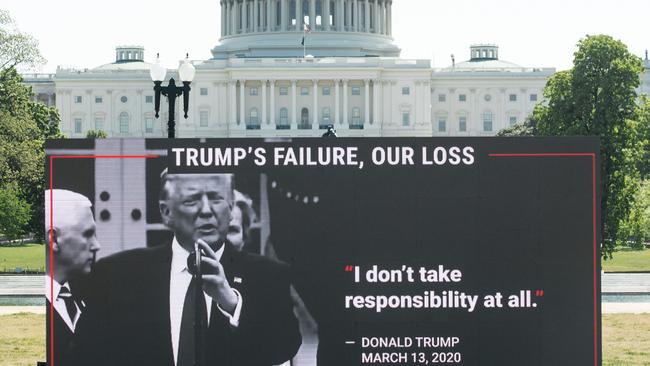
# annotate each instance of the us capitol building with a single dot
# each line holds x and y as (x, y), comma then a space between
(260, 84)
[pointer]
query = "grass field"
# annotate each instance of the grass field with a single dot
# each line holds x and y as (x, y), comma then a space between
(626, 339)
(22, 339)
(27, 256)
(628, 261)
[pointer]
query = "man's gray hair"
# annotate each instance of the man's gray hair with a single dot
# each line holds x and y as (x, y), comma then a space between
(59, 203)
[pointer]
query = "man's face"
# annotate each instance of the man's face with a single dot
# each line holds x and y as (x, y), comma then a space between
(76, 242)
(198, 207)
(236, 229)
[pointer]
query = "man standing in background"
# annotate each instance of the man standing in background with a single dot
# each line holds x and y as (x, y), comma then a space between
(70, 231)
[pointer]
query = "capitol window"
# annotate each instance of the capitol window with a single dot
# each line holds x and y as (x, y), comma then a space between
(284, 90)
(406, 118)
(533, 97)
(442, 124)
(326, 115)
(462, 97)
(356, 90)
(442, 97)
(513, 120)
(99, 123)
(203, 118)
(304, 90)
(99, 99)
(148, 99)
(124, 122)
(406, 90)
(326, 90)
(203, 91)
(513, 97)
(284, 117)
(148, 125)
(78, 99)
(356, 116)
(124, 99)
(487, 122)
(77, 125)
(253, 92)
(462, 124)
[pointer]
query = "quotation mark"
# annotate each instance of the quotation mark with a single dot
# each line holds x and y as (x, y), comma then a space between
(539, 293)
(349, 268)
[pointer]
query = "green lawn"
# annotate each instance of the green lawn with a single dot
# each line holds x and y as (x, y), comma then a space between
(628, 260)
(27, 256)
(626, 339)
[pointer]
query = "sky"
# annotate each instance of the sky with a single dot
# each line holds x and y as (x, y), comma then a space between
(84, 33)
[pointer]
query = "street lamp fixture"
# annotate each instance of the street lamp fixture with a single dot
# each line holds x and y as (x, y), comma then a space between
(186, 72)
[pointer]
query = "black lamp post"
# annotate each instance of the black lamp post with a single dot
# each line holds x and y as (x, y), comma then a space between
(186, 72)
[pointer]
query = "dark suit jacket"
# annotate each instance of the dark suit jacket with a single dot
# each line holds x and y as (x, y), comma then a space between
(128, 317)
(65, 347)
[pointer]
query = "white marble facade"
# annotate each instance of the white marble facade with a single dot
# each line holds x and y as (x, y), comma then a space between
(259, 84)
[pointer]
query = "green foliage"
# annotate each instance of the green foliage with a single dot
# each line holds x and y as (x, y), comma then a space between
(24, 126)
(597, 97)
(17, 49)
(528, 128)
(644, 135)
(14, 212)
(100, 134)
(636, 227)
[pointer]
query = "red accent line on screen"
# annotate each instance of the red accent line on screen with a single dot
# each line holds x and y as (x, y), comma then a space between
(594, 222)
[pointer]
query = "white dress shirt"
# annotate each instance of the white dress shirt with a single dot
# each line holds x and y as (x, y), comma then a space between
(59, 304)
(179, 282)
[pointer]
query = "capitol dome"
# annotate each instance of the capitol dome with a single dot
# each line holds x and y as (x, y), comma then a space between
(127, 58)
(331, 28)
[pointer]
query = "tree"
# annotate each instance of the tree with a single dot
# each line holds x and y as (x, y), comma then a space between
(99, 134)
(636, 227)
(644, 135)
(597, 97)
(16, 48)
(528, 128)
(24, 126)
(15, 212)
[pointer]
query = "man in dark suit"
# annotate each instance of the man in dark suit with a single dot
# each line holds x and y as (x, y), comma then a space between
(145, 305)
(70, 230)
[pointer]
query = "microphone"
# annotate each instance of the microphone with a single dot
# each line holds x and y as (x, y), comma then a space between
(194, 260)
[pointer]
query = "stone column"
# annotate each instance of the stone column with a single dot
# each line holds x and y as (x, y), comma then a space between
(325, 17)
(376, 30)
(283, 15)
(376, 98)
(272, 101)
(427, 105)
(293, 104)
(233, 18)
(255, 15)
(345, 103)
(367, 16)
(268, 15)
(348, 15)
(337, 102)
(242, 102)
(389, 23)
(384, 17)
(223, 18)
(366, 116)
(356, 17)
(312, 15)
(264, 121)
(339, 15)
(315, 113)
(299, 18)
(232, 85)
(244, 16)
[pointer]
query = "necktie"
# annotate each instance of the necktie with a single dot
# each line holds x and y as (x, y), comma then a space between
(70, 304)
(191, 312)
